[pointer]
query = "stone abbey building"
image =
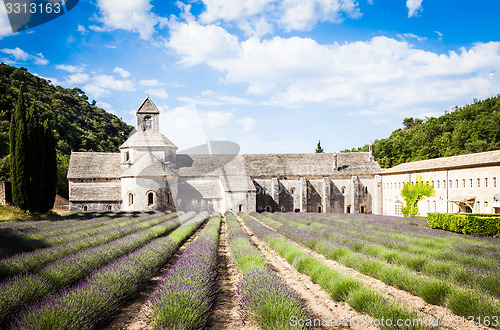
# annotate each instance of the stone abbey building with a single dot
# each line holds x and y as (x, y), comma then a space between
(149, 174)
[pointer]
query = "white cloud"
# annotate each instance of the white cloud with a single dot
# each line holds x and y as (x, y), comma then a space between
(303, 15)
(122, 72)
(200, 43)
(99, 85)
(382, 74)
(405, 36)
(76, 79)
(176, 122)
(81, 29)
(17, 53)
(71, 68)
(414, 6)
(21, 55)
(130, 15)
(159, 92)
(247, 123)
(149, 82)
(256, 17)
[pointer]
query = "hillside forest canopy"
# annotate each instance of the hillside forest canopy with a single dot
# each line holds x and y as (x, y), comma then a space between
(78, 125)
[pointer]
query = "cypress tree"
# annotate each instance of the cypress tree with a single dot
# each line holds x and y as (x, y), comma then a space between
(319, 149)
(49, 174)
(33, 160)
(19, 170)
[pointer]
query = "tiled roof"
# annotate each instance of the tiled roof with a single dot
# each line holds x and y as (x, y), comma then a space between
(94, 165)
(148, 139)
(148, 107)
(469, 160)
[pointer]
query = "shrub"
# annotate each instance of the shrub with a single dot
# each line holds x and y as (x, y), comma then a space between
(466, 223)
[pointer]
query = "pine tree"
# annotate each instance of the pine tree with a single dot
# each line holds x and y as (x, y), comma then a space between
(19, 165)
(319, 150)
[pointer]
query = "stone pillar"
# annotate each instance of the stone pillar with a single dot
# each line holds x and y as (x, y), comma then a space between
(325, 199)
(303, 194)
(354, 194)
(275, 190)
(378, 196)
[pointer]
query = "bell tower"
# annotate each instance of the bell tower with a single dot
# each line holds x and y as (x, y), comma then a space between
(147, 116)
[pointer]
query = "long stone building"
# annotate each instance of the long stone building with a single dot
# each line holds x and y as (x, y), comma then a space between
(148, 174)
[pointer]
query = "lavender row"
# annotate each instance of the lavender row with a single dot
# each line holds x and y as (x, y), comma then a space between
(88, 304)
(263, 294)
(93, 229)
(185, 295)
(486, 278)
(462, 300)
(340, 286)
(395, 246)
(63, 272)
(30, 261)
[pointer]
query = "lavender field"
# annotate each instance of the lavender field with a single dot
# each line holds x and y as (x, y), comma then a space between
(183, 270)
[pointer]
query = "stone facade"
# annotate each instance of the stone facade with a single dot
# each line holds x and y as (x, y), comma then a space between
(149, 174)
(465, 183)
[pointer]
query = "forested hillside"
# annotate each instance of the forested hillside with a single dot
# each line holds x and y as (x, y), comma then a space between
(468, 129)
(77, 124)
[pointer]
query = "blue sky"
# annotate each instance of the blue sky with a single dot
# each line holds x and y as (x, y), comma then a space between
(272, 76)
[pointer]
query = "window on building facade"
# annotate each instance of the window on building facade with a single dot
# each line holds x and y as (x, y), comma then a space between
(470, 182)
(449, 184)
(150, 199)
(342, 190)
(486, 182)
(292, 190)
(456, 183)
(494, 182)
(463, 183)
(435, 206)
(485, 206)
(130, 199)
(478, 182)
(432, 183)
(438, 184)
(398, 207)
(478, 206)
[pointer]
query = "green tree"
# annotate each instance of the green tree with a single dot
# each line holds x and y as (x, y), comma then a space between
(319, 149)
(19, 166)
(33, 155)
(413, 192)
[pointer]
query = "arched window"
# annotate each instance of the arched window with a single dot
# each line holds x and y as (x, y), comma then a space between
(109, 207)
(342, 189)
(283, 208)
(169, 198)
(268, 208)
(292, 190)
(348, 209)
(320, 209)
(362, 209)
(150, 198)
(147, 123)
(85, 207)
(130, 199)
(240, 208)
(126, 156)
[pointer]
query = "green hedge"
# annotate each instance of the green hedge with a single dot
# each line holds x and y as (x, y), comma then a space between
(477, 224)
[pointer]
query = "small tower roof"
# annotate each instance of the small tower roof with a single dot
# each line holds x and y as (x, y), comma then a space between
(148, 107)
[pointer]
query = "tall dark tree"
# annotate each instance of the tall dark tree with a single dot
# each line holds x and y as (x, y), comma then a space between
(33, 155)
(48, 190)
(319, 149)
(19, 171)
